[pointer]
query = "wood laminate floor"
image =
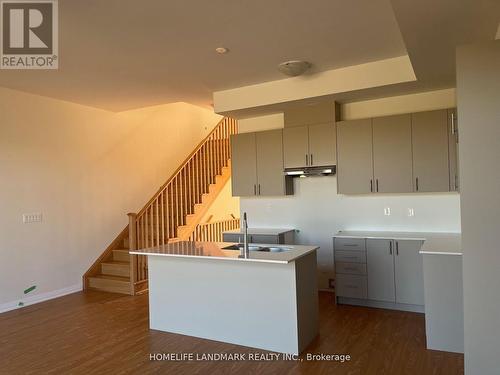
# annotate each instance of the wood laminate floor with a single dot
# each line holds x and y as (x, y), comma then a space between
(104, 333)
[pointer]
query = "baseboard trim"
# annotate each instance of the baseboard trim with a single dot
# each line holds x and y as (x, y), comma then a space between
(380, 304)
(37, 298)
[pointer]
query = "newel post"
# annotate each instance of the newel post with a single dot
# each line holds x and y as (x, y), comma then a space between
(132, 243)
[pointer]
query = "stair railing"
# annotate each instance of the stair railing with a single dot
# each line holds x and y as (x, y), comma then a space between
(212, 232)
(157, 223)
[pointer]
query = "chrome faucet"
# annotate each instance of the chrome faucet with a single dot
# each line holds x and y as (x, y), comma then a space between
(245, 252)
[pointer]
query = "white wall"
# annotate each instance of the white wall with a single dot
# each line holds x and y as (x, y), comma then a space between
(83, 169)
(317, 211)
(478, 85)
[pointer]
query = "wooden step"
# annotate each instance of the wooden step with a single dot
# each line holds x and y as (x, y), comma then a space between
(121, 255)
(113, 284)
(114, 268)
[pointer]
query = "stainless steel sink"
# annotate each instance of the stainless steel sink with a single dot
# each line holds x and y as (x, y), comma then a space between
(272, 249)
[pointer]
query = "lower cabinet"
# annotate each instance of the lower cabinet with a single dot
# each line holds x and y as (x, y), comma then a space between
(380, 270)
(380, 265)
(409, 275)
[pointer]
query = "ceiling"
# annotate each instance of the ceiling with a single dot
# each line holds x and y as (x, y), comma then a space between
(122, 54)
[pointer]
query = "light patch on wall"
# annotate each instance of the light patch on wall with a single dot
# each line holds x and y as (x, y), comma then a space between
(425, 101)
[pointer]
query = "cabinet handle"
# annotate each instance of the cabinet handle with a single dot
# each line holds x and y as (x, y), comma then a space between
(351, 244)
(453, 130)
(307, 159)
(312, 159)
(390, 248)
(371, 186)
(254, 189)
(259, 189)
(416, 183)
(377, 184)
(397, 248)
(456, 182)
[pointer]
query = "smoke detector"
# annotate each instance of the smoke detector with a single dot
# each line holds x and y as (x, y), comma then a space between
(294, 68)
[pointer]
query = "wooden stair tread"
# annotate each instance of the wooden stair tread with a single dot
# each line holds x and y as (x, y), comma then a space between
(116, 262)
(111, 277)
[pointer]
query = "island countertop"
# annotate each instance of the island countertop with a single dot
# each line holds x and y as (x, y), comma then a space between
(216, 251)
(434, 242)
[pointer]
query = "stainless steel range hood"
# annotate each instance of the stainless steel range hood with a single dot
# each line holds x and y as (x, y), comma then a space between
(311, 171)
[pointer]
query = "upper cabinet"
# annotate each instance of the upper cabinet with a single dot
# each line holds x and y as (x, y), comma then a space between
(309, 146)
(296, 147)
(392, 158)
(355, 157)
(257, 164)
(430, 151)
(244, 164)
(309, 137)
(322, 145)
(398, 154)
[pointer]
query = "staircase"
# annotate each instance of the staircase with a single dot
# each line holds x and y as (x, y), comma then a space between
(173, 214)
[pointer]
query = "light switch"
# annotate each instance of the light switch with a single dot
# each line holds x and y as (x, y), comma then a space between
(387, 211)
(32, 218)
(411, 212)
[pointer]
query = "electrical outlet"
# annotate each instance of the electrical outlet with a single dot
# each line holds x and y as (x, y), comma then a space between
(387, 211)
(32, 218)
(411, 212)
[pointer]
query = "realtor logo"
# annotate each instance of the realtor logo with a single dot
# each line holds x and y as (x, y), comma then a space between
(29, 37)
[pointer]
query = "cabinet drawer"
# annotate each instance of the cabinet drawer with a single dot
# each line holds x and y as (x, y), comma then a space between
(344, 256)
(357, 244)
(353, 286)
(232, 237)
(350, 268)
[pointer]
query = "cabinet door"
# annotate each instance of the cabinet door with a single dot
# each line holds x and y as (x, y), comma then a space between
(380, 266)
(408, 266)
(322, 145)
(243, 164)
(430, 151)
(453, 148)
(354, 157)
(392, 158)
(270, 176)
(295, 147)
(265, 238)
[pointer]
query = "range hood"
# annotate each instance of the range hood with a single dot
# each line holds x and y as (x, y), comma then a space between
(311, 171)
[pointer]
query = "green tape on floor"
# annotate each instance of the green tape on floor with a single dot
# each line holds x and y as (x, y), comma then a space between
(30, 289)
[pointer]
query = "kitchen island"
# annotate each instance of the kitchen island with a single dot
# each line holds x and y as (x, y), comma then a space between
(203, 289)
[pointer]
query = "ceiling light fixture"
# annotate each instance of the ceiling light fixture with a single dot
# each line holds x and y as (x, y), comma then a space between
(294, 68)
(221, 50)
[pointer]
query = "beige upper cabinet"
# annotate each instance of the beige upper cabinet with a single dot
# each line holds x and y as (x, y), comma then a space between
(257, 164)
(244, 164)
(322, 145)
(430, 151)
(392, 156)
(309, 146)
(354, 157)
(296, 147)
(270, 176)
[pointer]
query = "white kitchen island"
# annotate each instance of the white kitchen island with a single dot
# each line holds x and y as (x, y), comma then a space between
(268, 301)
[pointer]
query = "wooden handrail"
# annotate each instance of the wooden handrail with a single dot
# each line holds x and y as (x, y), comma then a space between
(212, 232)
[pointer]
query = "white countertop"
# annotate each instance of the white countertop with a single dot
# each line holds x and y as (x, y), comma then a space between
(216, 251)
(263, 231)
(435, 243)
